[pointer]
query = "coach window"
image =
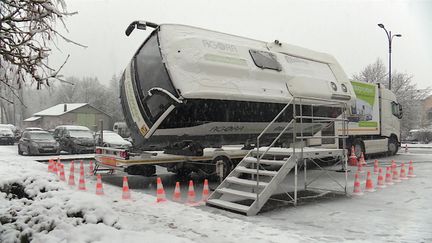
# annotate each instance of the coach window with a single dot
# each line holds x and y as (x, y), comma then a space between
(265, 60)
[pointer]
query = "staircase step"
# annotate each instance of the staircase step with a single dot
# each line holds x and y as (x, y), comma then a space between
(243, 169)
(245, 182)
(249, 195)
(265, 161)
(228, 205)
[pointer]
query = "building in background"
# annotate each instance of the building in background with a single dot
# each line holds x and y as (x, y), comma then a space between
(427, 112)
(82, 114)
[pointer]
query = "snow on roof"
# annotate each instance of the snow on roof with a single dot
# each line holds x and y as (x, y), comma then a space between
(58, 110)
(73, 127)
(33, 118)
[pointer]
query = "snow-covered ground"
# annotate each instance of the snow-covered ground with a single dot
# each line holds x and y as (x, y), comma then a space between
(415, 145)
(35, 205)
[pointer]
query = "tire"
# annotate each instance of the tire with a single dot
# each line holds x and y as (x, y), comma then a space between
(71, 150)
(392, 146)
(359, 147)
(19, 150)
(29, 151)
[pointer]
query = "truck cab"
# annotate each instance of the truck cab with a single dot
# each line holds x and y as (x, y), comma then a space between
(391, 114)
(374, 120)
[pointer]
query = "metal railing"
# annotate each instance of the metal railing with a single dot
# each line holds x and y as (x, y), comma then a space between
(324, 102)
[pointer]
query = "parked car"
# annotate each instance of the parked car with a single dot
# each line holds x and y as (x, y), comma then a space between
(6, 136)
(75, 139)
(112, 139)
(14, 129)
(121, 129)
(38, 142)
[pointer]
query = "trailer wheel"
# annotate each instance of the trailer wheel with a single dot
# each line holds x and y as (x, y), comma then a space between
(359, 147)
(392, 146)
(29, 151)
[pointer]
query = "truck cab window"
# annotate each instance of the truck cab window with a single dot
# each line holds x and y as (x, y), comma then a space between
(396, 109)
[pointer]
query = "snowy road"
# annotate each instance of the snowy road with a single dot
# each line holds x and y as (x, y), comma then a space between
(402, 212)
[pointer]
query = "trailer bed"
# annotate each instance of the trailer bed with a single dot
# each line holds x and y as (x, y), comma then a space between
(114, 161)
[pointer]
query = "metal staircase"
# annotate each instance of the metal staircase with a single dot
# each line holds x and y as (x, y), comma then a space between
(241, 183)
(258, 175)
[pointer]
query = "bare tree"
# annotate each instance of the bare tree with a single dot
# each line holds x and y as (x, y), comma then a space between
(407, 93)
(27, 29)
(113, 105)
(373, 73)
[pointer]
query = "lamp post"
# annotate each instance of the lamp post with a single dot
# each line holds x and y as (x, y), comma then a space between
(390, 39)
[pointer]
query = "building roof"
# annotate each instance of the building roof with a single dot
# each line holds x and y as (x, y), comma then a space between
(33, 118)
(58, 110)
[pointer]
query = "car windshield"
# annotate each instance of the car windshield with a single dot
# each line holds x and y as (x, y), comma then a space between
(80, 134)
(113, 137)
(41, 136)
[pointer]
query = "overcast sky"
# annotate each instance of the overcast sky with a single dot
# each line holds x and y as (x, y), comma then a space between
(346, 29)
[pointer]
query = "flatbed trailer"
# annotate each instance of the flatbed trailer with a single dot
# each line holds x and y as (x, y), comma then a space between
(122, 160)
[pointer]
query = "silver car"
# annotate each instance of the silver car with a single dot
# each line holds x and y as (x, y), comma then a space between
(6, 136)
(38, 142)
(112, 139)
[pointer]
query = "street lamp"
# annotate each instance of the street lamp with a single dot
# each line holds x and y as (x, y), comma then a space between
(390, 38)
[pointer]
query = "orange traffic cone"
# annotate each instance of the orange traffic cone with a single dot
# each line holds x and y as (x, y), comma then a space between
(393, 165)
(362, 159)
(396, 175)
(403, 173)
(71, 181)
(72, 166)
(91, 168)
(58, 165)
(369, 183)
(62, 173)
(50, 165)
(357, 187)
(177, 193)
(126, 193)
(376, 167)
(411, 170)
(388, 179)
(205, 192)
(380, 183)
(54, 168)
(360, 167)
(160, 192)
(191, 194)
(353, 159)
(81, 185)
(99, 188)
(81, 166)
